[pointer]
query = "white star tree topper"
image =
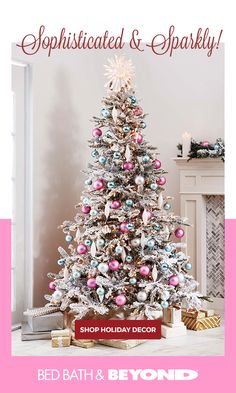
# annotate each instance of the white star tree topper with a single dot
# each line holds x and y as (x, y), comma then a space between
(120, 73)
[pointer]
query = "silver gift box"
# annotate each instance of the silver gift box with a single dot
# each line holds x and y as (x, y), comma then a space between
(47, 322)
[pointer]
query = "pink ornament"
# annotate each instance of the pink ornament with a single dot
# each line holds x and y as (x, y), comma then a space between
(144, 270)
(113, 265)
(120, 300)
(149, 214)
(179, 232)
(205, 143)
(98, 184)
(161, 181)
(97, 132)
(91, 283)
(157, 164)
(82, 249)
(86, 209)
(138, 137)
(123, 227)
(128, 166)
(52, 286)
(137, 111)
(115, 204)
(173, 280)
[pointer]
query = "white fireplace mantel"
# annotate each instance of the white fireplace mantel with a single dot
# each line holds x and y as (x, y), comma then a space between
(198, 178)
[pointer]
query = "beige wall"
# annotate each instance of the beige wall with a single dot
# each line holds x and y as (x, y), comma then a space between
(183, 93)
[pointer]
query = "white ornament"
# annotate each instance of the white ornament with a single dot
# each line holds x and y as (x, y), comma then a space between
(143, 240)
(139, 180)
(123, 255)
(77, 236)
(135, 242)
(66, 273)
(107, 209)
(93, 249)
(154, 273)
(103, 267)
(114, 114)
(141, 296)
(160, 201)
(145, 216)
(127, 153)
(120, 73)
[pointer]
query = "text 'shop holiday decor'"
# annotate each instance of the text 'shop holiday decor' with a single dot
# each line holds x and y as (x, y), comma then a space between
(123, 245)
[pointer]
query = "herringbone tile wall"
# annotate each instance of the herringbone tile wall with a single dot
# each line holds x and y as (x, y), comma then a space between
(215, 245)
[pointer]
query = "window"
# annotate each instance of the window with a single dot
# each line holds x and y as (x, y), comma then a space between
(21, 192)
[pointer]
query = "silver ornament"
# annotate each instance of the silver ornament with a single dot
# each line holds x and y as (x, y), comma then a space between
(103, 267)
(139, 180)
(135, 242)
(141, 296)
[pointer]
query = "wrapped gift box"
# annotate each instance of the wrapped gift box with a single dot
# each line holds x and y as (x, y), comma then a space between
(171, 315)
(201, 323)
(195, 314)
(61, 333)
(121, 344)
(27, 333)
(61, 341)
(48, 322)
(83, 343)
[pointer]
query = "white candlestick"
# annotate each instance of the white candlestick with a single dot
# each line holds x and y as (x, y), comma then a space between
(186, 143)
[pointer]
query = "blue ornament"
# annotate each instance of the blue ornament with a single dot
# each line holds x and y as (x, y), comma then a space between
(129, 258)
(100, 242)
(116, 155)
(100, 291)
(69, 238)
(153, 186)
(188, 266)
(146, 158)
(88, 242)
(143, 125)
(61, 261)
(164, 266)
(157, 226)
(133, 99)
(105, 112)
(94, 153)
(93, 213)
(132, 280)
(151, 243)
(111, 184)
(88, 182)
(129, 202)
(86, 201)
(94, 263)
(168, 248)
(76, 275)
(102, 160)
(164, 304)
(167, 206)
(118, 250)
(130, 226)
(126, 128)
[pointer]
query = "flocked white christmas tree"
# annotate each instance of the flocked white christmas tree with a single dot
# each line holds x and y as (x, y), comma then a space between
(123, 249)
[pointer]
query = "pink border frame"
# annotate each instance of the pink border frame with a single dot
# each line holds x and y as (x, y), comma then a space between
(215, 373)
